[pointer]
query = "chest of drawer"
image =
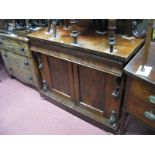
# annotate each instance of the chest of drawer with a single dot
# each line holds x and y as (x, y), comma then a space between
(142, 91)
(18, 47)
(141, 110)
(19, 66)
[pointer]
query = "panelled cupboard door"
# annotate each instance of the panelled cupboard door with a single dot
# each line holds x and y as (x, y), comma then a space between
(59, 76)
(90, 88)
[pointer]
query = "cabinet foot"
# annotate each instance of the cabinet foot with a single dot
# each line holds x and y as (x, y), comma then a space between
(122, 124)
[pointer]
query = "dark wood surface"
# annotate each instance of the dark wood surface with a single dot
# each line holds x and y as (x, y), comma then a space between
(137, 107)
(59, 70)
(90, 78)
(90, 41)
(134, 64)
(79, 57)
(140, 90)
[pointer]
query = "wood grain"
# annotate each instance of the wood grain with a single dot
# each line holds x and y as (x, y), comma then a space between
(92, 42)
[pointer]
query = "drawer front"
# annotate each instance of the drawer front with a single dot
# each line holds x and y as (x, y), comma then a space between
(16, 46)
(17, 60)
(17, 66)
(23, 75)
(141, 110)
(142, 91)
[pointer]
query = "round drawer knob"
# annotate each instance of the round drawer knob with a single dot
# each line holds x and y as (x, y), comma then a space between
(41, 66)
(30, 78)
(21, 49)
(26, 63)
(116, 94)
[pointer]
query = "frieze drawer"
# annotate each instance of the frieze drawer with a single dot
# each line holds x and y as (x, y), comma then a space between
(142, 91)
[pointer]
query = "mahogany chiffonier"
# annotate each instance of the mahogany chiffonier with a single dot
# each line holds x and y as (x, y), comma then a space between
(140, 91)
(17, 58)
(85, 79)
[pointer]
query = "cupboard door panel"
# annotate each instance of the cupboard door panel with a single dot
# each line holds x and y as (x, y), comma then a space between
(91, 88)
(61, 76)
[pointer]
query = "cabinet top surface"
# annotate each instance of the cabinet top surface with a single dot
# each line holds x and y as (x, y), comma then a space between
(90, 41)
(20, 36)
(136, 62)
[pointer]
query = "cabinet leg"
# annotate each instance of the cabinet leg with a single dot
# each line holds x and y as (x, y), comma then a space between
(11, 76)
(122, 124)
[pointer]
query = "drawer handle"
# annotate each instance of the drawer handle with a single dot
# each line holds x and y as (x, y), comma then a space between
(30, 78)
(116, 93)
(21, 49)
(26, 63)
(151, 98)
(41, 66)
(149, 115)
